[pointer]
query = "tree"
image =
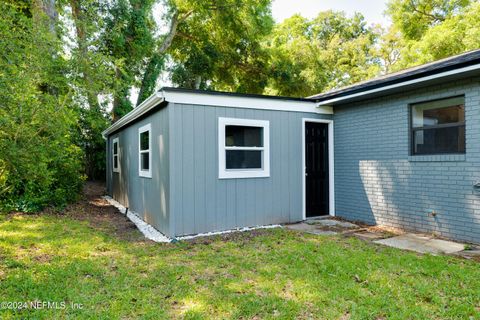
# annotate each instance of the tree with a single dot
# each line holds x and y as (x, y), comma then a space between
(129, 41)
(219, 46)
(39, 162)
(90, 76)
(211, 44)
(311, 56)
(414, 17)
(433, 30)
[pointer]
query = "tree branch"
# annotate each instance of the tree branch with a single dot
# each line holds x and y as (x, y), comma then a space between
(436, 18)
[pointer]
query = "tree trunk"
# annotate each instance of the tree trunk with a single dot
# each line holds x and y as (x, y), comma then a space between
(49, 9)
(198, 81)
(121, 101)
(155, 64)
(80, 28)
(149, 80)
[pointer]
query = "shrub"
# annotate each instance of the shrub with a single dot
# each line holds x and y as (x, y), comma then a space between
(39, 163)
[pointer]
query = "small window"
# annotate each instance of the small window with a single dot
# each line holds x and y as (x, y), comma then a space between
(438, 127)
(115, 157)
(144, 153)
(243, 148)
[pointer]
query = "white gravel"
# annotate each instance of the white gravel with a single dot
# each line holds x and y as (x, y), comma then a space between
(148, 231)
(153, 234)
(228, 231)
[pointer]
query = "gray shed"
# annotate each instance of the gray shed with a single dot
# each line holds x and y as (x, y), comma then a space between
(407, 155)
(191, 162)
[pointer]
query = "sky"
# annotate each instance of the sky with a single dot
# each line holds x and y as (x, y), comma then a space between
(372, 10)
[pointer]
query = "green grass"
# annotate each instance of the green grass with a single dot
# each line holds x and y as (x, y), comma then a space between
(275, 274)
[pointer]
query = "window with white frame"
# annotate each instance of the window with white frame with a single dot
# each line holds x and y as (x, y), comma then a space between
(244, 148)
(115, 157)
(144, 151)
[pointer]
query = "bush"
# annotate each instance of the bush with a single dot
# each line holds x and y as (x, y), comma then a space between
(39, 163)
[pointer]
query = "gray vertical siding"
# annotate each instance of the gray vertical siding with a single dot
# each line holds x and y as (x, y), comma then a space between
(201, 202)
(377, 181)
(149, 197)
(108, 166)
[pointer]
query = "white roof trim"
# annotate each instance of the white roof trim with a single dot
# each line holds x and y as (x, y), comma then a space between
(400, 85)
(260, 103)
(143, 108)
(211, 99)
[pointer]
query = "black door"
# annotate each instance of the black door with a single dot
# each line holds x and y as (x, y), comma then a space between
(316, 171)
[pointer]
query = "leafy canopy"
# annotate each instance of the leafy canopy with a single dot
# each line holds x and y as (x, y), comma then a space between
(310, 56)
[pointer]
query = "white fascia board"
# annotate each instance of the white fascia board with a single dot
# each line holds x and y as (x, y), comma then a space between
(143, 108)
(399, 85)
(260, 103)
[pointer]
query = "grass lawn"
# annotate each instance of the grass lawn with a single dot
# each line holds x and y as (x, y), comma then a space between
(95, 258)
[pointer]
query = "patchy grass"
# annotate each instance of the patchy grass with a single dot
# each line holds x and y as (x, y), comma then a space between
(261, 274)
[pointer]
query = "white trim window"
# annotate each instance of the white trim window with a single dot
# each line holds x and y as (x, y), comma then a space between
(243, 148)
(144, 151)
(115, 155)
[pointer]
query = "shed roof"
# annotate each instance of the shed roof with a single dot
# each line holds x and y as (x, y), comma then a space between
(219, 99)
(456, 66)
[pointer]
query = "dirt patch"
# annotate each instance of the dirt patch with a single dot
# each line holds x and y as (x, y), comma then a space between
(43, 258)
(240, 237)
(100, 215)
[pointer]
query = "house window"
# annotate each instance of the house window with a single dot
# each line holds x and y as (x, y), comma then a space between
(115, 157)
(438, 127)
(144, 152)
(244, 148)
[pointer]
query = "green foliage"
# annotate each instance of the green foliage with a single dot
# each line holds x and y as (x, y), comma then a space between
(40, 165)
(129, 39)
(310, 56)
(424, 39)
(90, 75)
(415, 17)
(219, 46)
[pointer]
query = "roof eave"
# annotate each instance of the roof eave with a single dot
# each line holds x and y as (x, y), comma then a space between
(150, 103)
(387, 89)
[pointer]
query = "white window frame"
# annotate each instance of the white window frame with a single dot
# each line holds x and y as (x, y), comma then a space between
(263, 172)
(117, 169)
(145, 173)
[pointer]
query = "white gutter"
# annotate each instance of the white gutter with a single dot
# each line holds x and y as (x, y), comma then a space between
(143, 108)
(399, 85)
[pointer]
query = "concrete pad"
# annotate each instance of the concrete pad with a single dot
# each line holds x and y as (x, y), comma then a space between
(367, 235)
(304, 227)
(422, 244)
(299, 227)
(331, 223)
(322, 232)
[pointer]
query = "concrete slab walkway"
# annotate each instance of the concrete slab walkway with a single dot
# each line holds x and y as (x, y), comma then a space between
(408, 241)
(422, 244)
